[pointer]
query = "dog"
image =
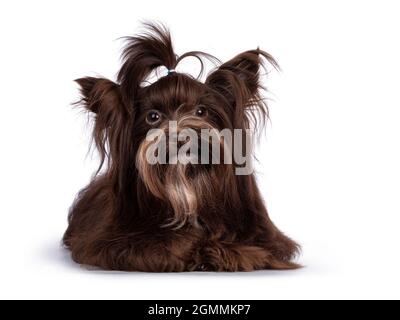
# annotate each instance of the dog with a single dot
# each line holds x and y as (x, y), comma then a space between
(173, 217)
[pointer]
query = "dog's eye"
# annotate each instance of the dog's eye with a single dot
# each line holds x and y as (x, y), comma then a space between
(153, 117)
(201, 111)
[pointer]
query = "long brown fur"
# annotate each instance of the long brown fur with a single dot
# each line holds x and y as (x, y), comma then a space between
(135, 216)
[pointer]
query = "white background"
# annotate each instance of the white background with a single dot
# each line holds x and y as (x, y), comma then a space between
(329, 165)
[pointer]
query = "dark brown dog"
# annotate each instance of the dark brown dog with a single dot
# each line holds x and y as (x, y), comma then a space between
(173, 217)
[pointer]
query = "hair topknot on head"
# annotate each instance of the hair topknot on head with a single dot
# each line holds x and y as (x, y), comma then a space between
(146, 52)
(138, 214)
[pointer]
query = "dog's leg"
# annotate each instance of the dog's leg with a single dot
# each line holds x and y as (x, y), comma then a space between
(219, 256)
(239, 257)
(137, 254)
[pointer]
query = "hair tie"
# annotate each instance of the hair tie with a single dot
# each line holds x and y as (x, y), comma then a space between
(170, 71)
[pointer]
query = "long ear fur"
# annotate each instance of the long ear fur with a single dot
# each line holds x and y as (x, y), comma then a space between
(238, 81)
(103, 98)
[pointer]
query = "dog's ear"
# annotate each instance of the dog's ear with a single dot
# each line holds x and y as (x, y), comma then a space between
(238, 81)
(103, 98)
(99, 95)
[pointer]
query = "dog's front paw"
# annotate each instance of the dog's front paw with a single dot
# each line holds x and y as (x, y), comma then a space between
(232, 257)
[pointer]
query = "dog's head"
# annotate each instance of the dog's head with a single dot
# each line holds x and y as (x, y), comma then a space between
(131, 121)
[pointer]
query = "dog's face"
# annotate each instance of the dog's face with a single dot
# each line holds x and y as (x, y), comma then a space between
(126, 113)
(176, 104)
